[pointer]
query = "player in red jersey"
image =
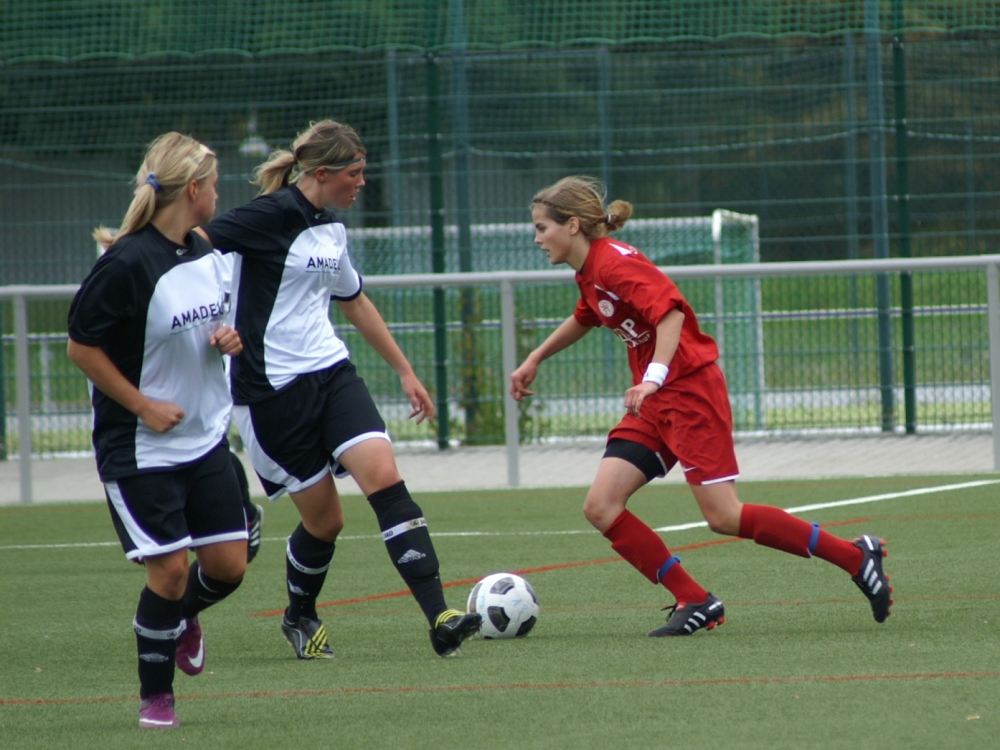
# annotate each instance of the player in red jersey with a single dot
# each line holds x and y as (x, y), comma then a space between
(677, 410)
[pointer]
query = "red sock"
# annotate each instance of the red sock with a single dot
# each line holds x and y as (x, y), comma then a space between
(778, 529)
(645, 551)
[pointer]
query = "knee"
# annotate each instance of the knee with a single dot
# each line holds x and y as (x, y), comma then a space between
(725, 520)
(170, 579)
(380, 477)
(328, 528)
(231, 572)
(600, 511)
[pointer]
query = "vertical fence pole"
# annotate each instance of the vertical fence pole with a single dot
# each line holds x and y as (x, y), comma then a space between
(23, 371)
(510, 412)
(436, 193)
(720, 304)
(993, 311)
(880, 219)
(903, 209)
(851, 179)
(604, 98)
(392, 116)
(3, 393)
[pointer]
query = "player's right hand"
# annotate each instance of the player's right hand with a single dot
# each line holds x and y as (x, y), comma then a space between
(161, 416)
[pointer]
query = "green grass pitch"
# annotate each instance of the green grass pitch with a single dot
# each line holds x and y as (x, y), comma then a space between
(799, 662)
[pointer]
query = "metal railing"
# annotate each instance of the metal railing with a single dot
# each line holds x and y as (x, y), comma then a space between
(507, 281)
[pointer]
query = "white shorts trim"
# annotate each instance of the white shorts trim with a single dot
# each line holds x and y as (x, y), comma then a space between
(230, 536)
(145, 546)
(732, 478)
(339, 471)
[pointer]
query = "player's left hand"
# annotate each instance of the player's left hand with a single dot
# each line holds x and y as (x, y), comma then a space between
(420, 399)
(635, 395)
(227, 341)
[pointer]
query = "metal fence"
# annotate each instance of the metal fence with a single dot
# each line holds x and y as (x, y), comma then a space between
(830, 358)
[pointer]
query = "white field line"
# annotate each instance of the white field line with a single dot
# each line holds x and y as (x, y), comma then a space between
(662, 529)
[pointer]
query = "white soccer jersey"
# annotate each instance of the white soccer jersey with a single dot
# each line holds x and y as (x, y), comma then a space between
(152, 307)
(292, 261)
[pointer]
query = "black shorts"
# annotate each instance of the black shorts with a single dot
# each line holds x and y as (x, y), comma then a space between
(158, 512)
(644, 459)
(296, 437)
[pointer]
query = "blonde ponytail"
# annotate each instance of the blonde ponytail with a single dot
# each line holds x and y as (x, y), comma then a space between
(583, 197)
(172, 161)
(326, 143)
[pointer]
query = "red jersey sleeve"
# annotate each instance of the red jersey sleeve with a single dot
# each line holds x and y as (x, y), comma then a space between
(584, 315)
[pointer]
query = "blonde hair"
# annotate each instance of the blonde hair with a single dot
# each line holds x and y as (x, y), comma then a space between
(326, 143)
(583, 197)
(172, 161)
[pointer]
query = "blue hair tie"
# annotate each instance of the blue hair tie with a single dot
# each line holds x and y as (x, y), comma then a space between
(151, 180)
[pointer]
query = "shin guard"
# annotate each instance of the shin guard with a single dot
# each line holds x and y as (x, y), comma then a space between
(777, 529)
(408, 542)
(307, 560)
(157, 626)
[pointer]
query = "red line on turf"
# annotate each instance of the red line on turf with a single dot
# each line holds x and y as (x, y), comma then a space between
(529, 686)
(527, 571)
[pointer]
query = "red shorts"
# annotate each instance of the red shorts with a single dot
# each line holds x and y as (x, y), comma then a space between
(688, 421)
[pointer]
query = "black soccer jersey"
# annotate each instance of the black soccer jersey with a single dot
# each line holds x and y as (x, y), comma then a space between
(292, 261)
(152, 307)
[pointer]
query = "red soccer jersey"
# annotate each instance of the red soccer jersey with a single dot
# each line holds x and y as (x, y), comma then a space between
(621, 288)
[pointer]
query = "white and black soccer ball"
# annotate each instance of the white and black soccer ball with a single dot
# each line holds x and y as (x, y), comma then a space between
(507, 603)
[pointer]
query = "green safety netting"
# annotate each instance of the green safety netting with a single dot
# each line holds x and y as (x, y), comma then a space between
(81, 29)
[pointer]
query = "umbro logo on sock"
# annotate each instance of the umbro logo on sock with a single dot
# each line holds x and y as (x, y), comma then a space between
(411, 555)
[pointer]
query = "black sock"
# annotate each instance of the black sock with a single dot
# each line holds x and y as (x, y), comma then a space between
(202, 591)
(307, 561)
(157, 626)
(404, 531)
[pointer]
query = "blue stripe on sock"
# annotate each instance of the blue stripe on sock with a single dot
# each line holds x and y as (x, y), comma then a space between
(813, 539)
(666, 566)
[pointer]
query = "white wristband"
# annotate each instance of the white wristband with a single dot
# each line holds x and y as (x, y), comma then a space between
(656, 373)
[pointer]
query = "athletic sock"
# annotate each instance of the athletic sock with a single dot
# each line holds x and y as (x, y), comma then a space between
(645, 551)
(778, 529)
(202, 591)
(157, 626)
(307, 560)
(408, 542)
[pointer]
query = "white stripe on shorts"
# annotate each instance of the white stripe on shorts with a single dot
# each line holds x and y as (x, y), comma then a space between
(146, 546)
(264, 465)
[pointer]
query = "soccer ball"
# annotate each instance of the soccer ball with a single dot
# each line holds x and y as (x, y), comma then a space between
(507, 603)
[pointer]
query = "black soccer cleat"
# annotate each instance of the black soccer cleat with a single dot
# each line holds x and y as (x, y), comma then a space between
(451, 628)
(308, 638)
(685, 618)
(253, 532)
(870, 579)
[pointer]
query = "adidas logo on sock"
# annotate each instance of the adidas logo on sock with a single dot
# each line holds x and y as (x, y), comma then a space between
(411, 555)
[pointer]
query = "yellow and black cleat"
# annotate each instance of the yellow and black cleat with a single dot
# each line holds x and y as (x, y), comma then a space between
(451, 628)
(308, 638)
